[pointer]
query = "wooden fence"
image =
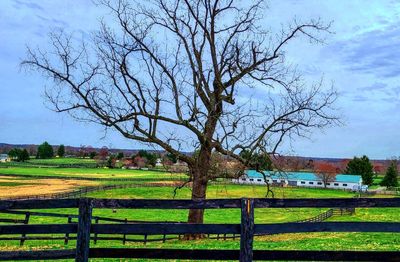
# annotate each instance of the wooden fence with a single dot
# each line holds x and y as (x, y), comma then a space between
(96, 219)
(246, 229)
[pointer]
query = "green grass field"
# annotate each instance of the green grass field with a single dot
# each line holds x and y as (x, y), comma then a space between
(104, 173)
(299, 241)
(60, 161)
(53, 162)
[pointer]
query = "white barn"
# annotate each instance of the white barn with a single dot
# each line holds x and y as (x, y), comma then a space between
(4, 158)
(300, 179)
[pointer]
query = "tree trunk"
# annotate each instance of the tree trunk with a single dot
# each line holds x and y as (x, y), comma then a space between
(199, 188)
(198, 193)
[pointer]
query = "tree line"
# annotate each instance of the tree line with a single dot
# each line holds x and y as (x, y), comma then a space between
(44, 151)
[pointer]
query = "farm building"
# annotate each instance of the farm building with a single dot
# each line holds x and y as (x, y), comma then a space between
(301, 179)
(4, 158)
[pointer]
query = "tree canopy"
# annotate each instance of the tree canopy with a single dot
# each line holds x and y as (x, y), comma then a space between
(61, 151)
(20, 155)
(325, 172)
(189, 75)
(151, 158)
(391, 176)
(45, 151)
(363, 167)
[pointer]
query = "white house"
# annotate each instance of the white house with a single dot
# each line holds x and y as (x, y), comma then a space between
(159, 162)
(301, 179)
(4, 158)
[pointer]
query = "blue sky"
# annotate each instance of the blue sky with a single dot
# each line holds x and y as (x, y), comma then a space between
(361, 58)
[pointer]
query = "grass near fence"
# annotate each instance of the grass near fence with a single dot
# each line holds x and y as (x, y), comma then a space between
(295, 241)
(224, 191)
(300, 241)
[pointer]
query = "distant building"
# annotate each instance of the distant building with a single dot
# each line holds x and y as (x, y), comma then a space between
(300, 179)
(159, 162)
(4, 158)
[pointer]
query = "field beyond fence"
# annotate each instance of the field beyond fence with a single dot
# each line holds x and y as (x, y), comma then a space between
(246, 229)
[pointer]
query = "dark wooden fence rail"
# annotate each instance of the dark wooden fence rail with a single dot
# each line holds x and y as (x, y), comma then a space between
(247, 229)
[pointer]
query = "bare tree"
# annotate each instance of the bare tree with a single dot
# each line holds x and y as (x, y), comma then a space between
(179, 74)
(325, 172)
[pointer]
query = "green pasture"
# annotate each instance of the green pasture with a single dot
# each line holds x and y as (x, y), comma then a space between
(104, 173)
(298, 241)
(53, 162)
(223, 191)
(60, 161)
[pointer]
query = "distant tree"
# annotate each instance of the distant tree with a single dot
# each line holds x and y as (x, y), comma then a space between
(103, 153)
(111, 162)
(172, 157)
(45, 151)
(310, 164)
(13, 153)
(92, 154)
(260, 161)
(166, 162)
(390, 179)
(23, 156)
(84, 151)
(223, 167)
(120, 155)
(102, 156)
(139, 161)
(61, 151)
(361, 166)
(325, 172)
(142, 153)
(32, 150)
(151, 159)
(17, 154)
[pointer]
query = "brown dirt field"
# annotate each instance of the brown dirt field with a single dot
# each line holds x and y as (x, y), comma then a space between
(42, 186)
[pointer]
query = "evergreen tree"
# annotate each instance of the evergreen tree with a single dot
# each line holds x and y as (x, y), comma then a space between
(172, 157)
(260, 161)
(390, 179)
(151, 158)
(120, 155)
(363, 167)
(92, 154)
(61, 151)
(110, 163)
(45, 150)
(23, 155)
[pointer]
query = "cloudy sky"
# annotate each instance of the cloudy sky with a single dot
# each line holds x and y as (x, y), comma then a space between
(361, 58)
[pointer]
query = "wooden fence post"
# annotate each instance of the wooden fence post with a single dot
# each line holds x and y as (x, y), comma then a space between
(83, 236)
(124, 237)
(95, 235)
(247, 230)
(26, 222)
(67, 234)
